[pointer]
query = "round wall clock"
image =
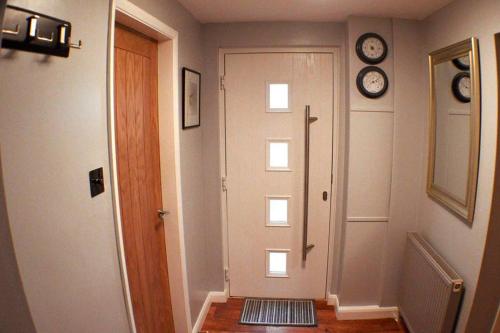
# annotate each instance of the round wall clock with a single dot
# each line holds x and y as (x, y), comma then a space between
(462, 63)
(461, 87)
(372, 82)
(371, 48)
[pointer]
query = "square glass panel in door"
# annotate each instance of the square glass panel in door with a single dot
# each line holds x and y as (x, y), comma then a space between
(277, 97)
(277, 154)
(277, 263)
(277, 208)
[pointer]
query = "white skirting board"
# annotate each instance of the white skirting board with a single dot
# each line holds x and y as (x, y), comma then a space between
(212, 297)
(362, 312)
(343, 312)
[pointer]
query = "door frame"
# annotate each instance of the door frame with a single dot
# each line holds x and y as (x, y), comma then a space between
(131, 16)
(336, 195)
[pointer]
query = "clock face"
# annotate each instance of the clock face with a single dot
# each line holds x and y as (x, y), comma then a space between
(372, 82)
(461, 87)
(464, 86)
(371, 48)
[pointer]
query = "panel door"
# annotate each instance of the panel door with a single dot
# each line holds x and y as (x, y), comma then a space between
(138, 159)
(266, 96)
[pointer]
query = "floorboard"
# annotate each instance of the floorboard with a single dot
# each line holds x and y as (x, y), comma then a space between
(224, 318)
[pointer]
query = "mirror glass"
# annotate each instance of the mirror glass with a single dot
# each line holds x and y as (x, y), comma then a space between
(453, 111)
(454, 127)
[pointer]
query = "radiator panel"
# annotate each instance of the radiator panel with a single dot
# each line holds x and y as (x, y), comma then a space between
(430, 289)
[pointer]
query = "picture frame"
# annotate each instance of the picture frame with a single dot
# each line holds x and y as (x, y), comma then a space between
(191, 93)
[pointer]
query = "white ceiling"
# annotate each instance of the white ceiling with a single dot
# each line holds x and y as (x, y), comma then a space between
(307, 10)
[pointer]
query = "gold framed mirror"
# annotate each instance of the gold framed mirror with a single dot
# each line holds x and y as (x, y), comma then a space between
(454, 127)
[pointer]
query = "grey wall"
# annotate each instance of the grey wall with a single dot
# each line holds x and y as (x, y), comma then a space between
(370, 159)
(382, 188)
(53, 130)
(410, 208)
(462, 245)
(408, 128)
(14, 313)
(408, 205)
(235, 35)
(199, 261)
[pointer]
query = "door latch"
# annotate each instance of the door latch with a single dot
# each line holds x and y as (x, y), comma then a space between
(162, 213)
(325, 195)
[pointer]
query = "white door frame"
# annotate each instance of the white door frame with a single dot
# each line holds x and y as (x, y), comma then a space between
(128, 14)
(336, 149)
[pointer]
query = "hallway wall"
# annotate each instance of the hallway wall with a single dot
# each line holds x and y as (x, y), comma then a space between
(463, 245)
(233, 35)
(408, 127)
(390, 132)
(53, 130)
(408, 139)
(399, 209)
(409, 207)
(369, 172)
(382, 187)
(14, 312)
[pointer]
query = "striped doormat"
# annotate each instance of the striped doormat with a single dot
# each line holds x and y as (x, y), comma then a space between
(278, 312)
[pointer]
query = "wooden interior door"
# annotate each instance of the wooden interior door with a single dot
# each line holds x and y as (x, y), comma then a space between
(137, 141)
(270, 218)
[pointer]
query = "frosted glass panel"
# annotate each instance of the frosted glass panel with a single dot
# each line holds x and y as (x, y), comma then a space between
(278, 155)
(277, 263)
(278, 211)
(278, 96)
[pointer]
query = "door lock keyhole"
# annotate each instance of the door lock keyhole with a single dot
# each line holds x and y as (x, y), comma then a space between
(325, 195)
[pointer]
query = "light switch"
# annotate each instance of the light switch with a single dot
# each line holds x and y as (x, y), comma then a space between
(96, 180)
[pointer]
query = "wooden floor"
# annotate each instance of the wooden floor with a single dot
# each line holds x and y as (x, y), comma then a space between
(224, 317)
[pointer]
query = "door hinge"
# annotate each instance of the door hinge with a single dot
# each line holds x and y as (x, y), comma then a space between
(226, 274)
(224, 184)
(222, 82)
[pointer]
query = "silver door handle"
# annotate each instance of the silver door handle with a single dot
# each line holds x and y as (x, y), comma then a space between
(308, 121)
(163, 213)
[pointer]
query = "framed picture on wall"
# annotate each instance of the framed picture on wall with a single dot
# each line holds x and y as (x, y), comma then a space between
(191, 87)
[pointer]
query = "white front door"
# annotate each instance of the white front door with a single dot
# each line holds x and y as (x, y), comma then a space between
(266, 97)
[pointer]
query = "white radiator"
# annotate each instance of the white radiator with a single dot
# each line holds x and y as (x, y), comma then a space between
(430, 290)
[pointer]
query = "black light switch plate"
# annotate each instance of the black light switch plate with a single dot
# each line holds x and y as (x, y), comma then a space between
(96, 179)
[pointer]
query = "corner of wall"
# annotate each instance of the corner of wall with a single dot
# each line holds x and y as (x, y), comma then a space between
(15, 315)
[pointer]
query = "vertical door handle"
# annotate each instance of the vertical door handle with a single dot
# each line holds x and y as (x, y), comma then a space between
(305, 246)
